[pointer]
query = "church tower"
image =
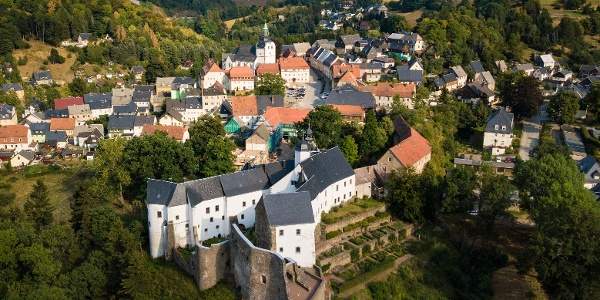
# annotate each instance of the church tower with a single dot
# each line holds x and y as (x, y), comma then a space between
(304, 148)
(265, 48)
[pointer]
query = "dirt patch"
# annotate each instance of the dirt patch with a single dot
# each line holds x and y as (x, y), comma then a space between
(37, 54)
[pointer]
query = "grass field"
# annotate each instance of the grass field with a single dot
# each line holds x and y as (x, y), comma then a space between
(37, 54)
(412, 17)
(61, 185)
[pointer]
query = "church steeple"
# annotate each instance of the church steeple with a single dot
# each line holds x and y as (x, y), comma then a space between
(265, 31)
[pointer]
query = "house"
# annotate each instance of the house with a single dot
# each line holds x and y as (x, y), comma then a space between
(178, 133)
(22, 158)
(141, 99)
(100, 103)
(485, 78)
(574, 142)
(588, 70)
(240, 79)
(121, 126)
(8, 115)
(526, 68)
(181, 86)
(88, 136)
(370, 72)
(385, 61)
(591, 171)
(81, 113)
(350, 113)
(263, 52)
(263, 69)
(212, 73)
(127, 109)
(57, 139)
(36, 117)
(322, 60)
(121, 96)
(249, 109)
(294, 70)
(541, 73)
(406, 42)
(499, 167)
(259, 140)
(385, 93)
(64, 103)
(16, 88)
(477, 67)
(282, 120)
(164, 85)
(300, 49)
(351, 96)
(351, 72)
(42, 78)
(66, 125)
(182, 112)
(137, 72)
(474, 92)
(412, 72)
(39, 131)
(15, 138)
(349, 78)
(83, 39)
(447, 81)
(345, 43)
(289, 235)
(141, 121)
(461, 75)
(410, 150)
(55, 113)
(213, 98)
(501, 66)
(369, 181)
(498, 134)
(545, 61)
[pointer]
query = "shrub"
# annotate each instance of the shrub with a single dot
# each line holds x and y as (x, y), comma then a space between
(22, 61)
(332, 234)
(354, 255)
(366, 249)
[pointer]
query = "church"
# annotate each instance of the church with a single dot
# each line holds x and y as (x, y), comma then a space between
(264, 52)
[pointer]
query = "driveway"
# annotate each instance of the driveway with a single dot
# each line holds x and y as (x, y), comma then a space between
(530, 137)
(312, 91)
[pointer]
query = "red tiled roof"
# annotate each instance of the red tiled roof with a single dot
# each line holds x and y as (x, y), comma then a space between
(392, 89)
(241, 73)
(349, 110)
(267, 69)
(14, 132)
(293, 63)
(63, 103)
(244, 106)
(284, 115)
(339, 70)
(58, 124)
(176, 132)
(412, 149)
(348, 78)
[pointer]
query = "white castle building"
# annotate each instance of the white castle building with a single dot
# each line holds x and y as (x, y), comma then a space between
(292, 196)
(264, 52)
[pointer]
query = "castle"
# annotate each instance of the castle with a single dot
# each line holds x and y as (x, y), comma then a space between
(283, 201)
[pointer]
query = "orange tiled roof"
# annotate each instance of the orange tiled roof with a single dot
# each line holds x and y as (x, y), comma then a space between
(284, 115)
(63, 103)
(339, 70)
(267, 69)
(348, 78)
(349, 110)
(14, 132)
(412, 149)
(241, 73)
(293, 63)
(176, 132)
(244, 106)
(58, 124)
(383, 89)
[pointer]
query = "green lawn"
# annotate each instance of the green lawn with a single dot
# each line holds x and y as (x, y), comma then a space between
(349, 209)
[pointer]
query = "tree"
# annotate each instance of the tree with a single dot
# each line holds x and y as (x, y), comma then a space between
(54, 57)
(563, 107)
(494, 199)
(394, 23)
(38, 207)
(212, 149)
(404, 197)
(592, 100)
(110, 166)
(374, 136)
(350, 149)
(78, 87)
(326, 123)
(521, 93)
(459, 190)
(270, 84)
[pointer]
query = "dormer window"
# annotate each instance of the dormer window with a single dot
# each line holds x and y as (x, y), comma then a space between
(496, 127)
(503, 127)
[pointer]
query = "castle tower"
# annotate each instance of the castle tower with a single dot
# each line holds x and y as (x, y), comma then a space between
(304, 148)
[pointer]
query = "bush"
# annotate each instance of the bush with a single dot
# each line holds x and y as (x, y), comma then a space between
(332, 234)
(326, 267)
(55, 58)
(22, 61)
(354, 255)
(366, 249)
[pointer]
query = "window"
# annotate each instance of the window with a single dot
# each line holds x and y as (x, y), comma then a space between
(177, 217)
(350, 181)
(218, 226)
(280, 249)
(187, 226)
(244, 204)
(263, 279)
(389, 159)
(280, 232)
(216, 208)
(208, 210)
(337, 187)
(297, 231)
(253, 201)
(211, 219)
(222, 217)
(159, 214)
(297, 249)
(242, 217)
(205, 229)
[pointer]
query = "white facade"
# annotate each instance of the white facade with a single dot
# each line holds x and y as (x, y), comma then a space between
(240, 84)
(296, 242)
(498, 142)
(296, 75)
(213, 76)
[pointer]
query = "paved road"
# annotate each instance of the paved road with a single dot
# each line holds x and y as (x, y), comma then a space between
(313, 90)
(530, 137)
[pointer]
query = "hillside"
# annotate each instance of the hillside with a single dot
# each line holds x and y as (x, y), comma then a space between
(37, 54)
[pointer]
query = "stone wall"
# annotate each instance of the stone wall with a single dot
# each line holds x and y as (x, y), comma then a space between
(259, 273)
(326, 244)
(338, 260)
(212, 264)
(265, 235)
(352, 219)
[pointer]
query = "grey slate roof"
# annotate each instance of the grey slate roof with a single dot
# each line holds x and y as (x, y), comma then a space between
(120, 122)
(41, 75)
(288, 209)
(501, 118)
(204, 189)
(407, 75)
(28, 154)
(159, 191)
(57, 113)
(129, 109)
(351, 96)
(477, 67)
(277, 170)
(263, 101)
(39, 128)
(324, 169)
(143, 120)
(145, 88)
(6, 111)
(244, 182)
(7, 87)
(98, 100)
(141, 96)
